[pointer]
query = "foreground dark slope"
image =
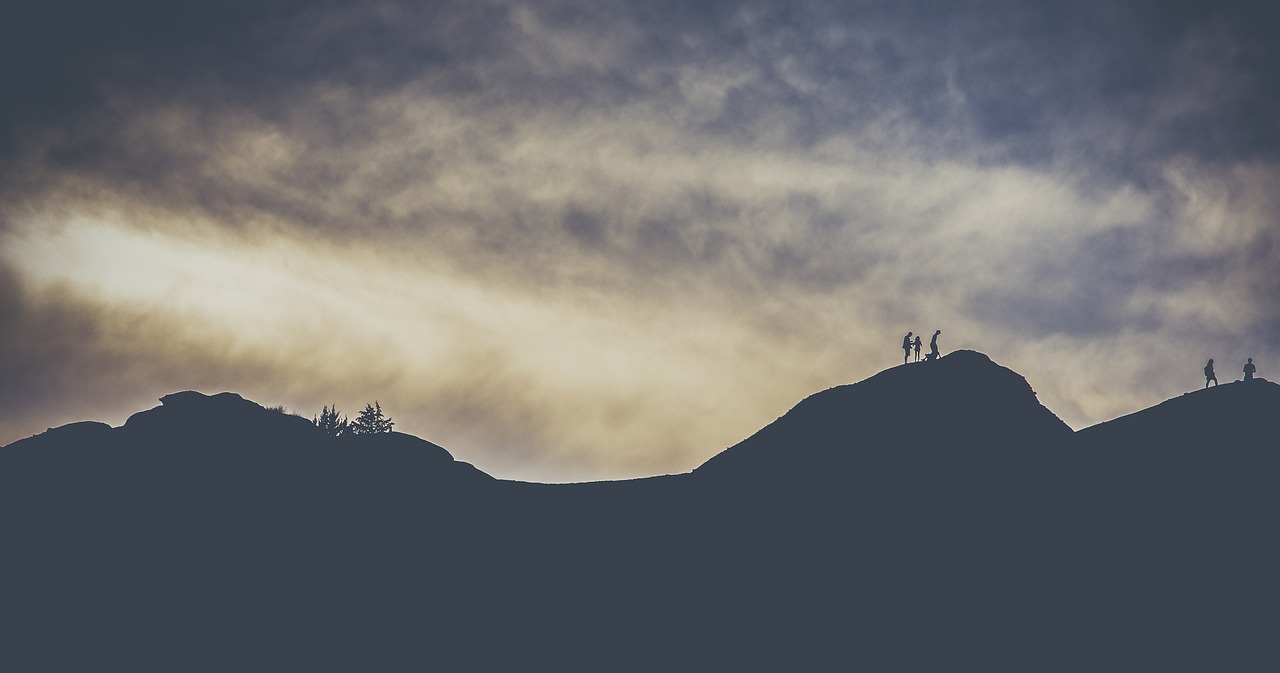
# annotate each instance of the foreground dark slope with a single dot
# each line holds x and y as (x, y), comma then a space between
(211, 532)
(1175, 508)
(931, 517)
(1194, 454)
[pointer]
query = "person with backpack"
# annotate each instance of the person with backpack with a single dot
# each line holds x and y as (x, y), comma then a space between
(1209, 375)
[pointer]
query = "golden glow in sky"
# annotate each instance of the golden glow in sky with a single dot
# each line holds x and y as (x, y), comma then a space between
(572, 242)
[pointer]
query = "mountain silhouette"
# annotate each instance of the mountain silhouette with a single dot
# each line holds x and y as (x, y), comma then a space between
(1172, 511)
(934, 516)
(963, 404)
(1195, 418)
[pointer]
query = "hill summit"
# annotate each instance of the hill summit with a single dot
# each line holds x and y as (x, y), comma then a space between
(964, 402)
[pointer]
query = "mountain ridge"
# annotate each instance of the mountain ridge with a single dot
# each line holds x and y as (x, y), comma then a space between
(1003, 410)
(850, 533)
(901, 381)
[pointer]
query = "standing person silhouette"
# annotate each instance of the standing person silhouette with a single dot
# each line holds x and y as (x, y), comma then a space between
(1209, 375)
(917, 346)
(906, 347)
(1249, 369)
(933, 346)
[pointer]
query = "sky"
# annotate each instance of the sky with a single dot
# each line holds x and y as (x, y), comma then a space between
(599, 240)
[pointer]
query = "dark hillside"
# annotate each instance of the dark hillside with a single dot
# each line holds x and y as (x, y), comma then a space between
(933, 517)
(964, 406)
(1221, 414)
(1173, 510)
(210, 531)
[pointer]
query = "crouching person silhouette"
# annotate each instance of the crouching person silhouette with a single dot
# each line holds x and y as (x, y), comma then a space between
(933, 347)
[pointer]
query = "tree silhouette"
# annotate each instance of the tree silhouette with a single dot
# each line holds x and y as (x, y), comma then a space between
(371, 421)
(330, 423)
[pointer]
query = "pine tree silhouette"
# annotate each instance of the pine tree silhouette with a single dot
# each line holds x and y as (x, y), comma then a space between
(331, 423)
(371, 421)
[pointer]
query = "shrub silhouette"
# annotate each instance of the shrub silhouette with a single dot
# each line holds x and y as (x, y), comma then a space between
(371, 421)
(330, 423)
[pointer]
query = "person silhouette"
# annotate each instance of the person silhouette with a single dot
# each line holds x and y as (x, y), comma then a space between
(1209, 375)
(1249, 369)
(933, 346)
(906, 347)
(917, 346)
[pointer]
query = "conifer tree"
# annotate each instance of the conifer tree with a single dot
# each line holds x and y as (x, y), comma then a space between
(330, 423)
(371, 421)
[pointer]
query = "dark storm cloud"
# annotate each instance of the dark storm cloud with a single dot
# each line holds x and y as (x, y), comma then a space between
(999, 81)
(54, 56)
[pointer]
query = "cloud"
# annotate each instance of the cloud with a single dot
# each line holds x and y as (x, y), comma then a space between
(572, 240)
